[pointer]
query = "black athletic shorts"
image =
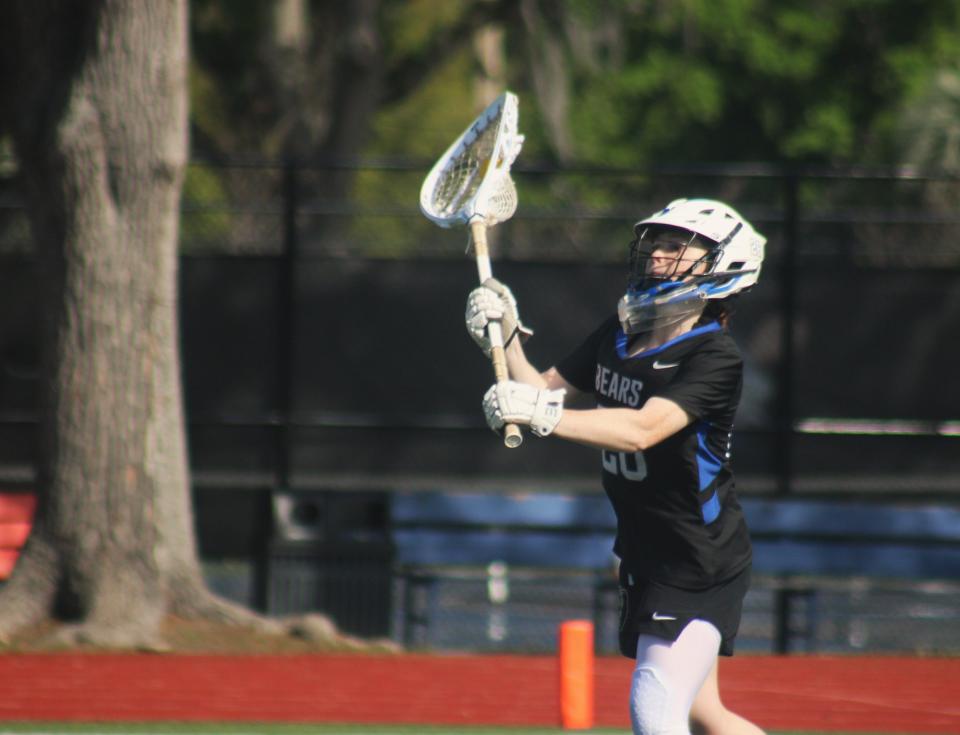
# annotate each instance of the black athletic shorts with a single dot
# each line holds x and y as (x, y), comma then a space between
(654, 608)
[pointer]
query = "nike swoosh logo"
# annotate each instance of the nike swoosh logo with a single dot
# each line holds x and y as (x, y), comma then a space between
(657, 365)
(658, 616)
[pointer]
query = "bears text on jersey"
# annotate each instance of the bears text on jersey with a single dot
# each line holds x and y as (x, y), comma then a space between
(616, 387)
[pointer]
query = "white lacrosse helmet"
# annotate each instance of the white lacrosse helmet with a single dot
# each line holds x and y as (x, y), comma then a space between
(733, 261)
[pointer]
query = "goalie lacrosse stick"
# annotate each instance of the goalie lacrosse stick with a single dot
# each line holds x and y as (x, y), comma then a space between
(470, 185)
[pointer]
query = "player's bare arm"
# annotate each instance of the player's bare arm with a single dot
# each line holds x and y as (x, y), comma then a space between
(616, 429)
(493, 301)
(538, 399)
(623, 429)
(523, 371)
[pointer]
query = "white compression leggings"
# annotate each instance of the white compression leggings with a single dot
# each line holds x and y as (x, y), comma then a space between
(668, 676)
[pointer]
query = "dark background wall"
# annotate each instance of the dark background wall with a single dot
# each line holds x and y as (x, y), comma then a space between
(383, 385)
(323, 375)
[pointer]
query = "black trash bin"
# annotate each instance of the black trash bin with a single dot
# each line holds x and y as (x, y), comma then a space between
(332, 553)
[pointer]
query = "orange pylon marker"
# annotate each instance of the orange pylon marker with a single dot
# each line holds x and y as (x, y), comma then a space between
(576, 674)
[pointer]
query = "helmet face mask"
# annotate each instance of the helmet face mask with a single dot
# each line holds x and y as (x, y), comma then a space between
(691, 251)
(665, 254)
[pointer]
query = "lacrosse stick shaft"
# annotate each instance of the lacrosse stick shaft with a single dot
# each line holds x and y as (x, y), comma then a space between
(512, 437)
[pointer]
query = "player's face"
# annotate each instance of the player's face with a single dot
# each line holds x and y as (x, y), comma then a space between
(671, 258)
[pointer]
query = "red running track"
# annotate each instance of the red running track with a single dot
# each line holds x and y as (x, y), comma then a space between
(870, 694)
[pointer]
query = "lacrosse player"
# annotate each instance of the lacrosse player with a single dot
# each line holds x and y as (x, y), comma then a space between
(661, 381)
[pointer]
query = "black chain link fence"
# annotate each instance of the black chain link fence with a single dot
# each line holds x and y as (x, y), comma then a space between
(301, 293)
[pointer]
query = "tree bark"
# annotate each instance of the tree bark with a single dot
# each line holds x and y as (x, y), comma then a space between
(100, 132)
(549, 74)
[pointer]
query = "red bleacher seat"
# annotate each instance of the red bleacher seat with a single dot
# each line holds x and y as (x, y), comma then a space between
(16, 518)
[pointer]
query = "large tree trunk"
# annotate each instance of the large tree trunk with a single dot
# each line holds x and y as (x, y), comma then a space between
(100, 131)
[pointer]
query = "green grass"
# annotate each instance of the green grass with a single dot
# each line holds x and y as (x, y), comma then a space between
(246, 728)
(206, 728)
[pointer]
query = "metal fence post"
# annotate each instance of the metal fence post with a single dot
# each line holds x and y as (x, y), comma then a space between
(788, 309)
(284, 316)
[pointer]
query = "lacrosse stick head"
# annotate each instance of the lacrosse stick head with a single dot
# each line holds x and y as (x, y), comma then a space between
(471, 180)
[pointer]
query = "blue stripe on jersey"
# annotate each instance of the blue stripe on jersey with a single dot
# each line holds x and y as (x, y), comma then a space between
(709, 466)
(622, 341)
(711, 509)
(708, 463)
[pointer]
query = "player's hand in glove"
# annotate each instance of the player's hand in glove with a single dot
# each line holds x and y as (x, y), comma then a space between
(511, 402)
(493, 301)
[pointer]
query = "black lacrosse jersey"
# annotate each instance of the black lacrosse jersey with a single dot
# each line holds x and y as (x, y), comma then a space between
(678, 518)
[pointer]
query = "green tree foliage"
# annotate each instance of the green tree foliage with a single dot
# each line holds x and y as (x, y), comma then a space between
(753, 80)
(610, 83)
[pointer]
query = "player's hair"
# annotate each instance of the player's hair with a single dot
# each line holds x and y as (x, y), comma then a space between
(718, 310)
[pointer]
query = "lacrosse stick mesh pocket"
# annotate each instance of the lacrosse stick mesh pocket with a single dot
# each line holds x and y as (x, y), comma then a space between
(462, 176)
(502, 200)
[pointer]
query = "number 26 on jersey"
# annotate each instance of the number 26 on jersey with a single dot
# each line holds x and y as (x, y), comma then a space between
(629, 465)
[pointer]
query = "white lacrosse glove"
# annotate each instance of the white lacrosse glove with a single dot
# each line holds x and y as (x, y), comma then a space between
(511, 402)
(493, 301)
